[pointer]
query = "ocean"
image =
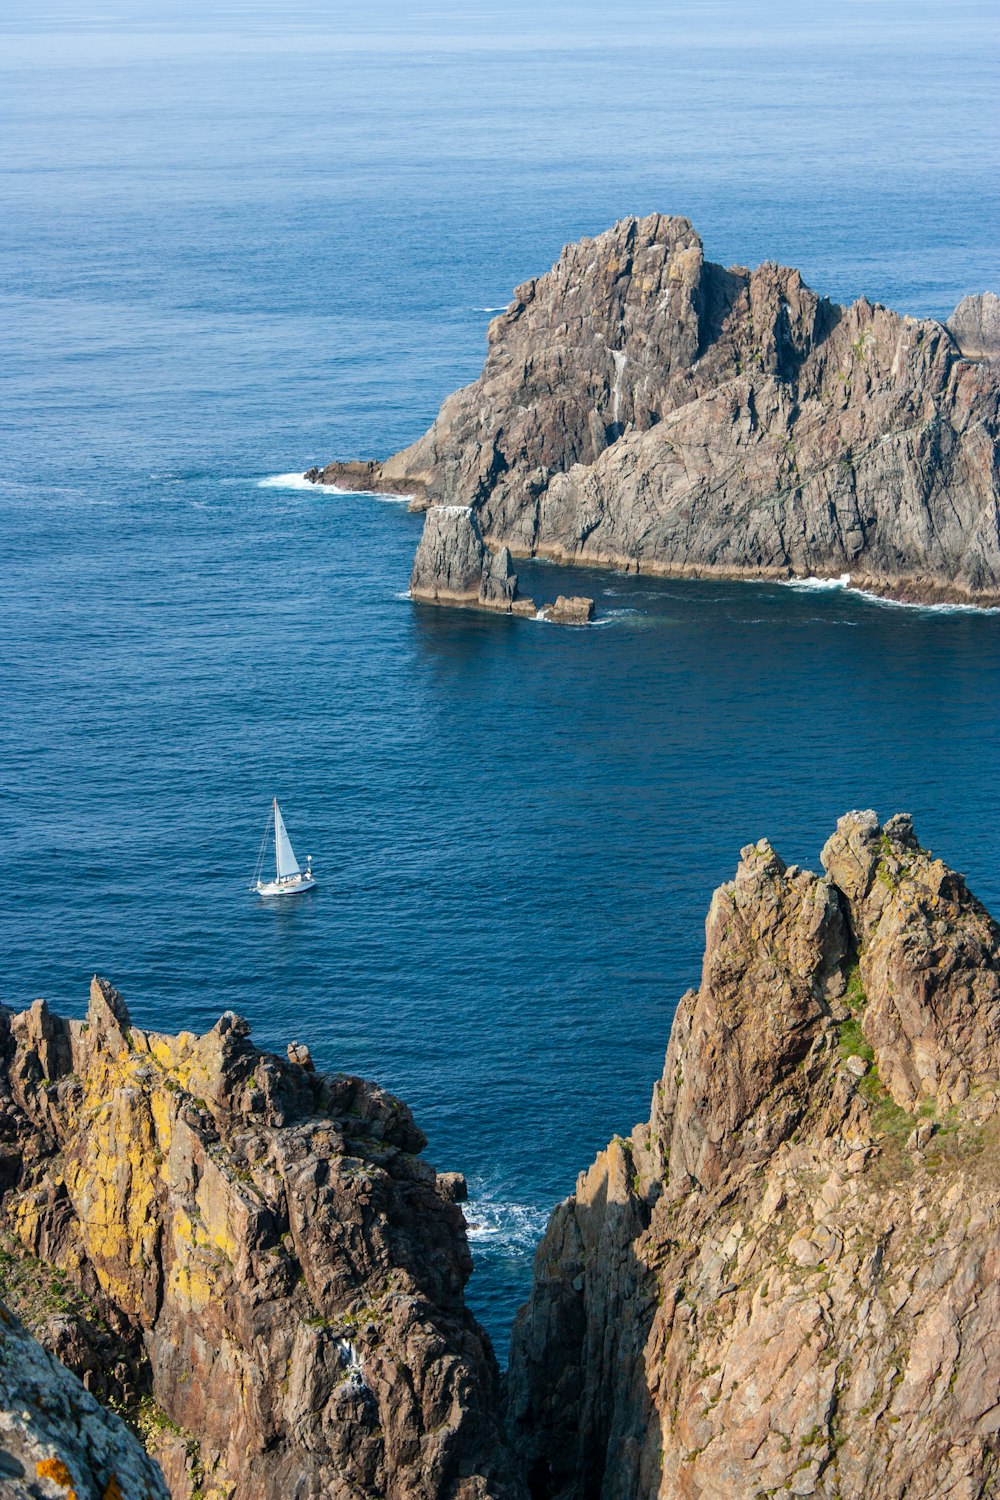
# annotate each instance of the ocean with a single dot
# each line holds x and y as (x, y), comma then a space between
(238, 240)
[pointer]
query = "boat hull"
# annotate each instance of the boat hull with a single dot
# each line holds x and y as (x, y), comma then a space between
(285, 887)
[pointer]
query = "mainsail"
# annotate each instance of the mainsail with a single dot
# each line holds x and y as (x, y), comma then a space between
(284, 854)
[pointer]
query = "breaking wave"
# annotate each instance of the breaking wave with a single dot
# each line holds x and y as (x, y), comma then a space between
(300, 482)
(499, 1227)
(286, 482)
(843, 582)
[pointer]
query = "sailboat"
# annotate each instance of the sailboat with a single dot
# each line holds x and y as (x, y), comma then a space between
(289, 877)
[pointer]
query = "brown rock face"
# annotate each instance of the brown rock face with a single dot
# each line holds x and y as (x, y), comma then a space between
(262, 1248)
(787, 1281)
(570, 610)
(644, 408)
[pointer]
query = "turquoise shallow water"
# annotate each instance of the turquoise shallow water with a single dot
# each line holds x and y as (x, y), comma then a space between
(235, 244)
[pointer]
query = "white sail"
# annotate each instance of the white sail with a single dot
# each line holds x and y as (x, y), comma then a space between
(284, 854)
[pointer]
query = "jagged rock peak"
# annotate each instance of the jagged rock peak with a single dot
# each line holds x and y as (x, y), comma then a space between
(248, 1255)
(785, 1282)
(645, 408)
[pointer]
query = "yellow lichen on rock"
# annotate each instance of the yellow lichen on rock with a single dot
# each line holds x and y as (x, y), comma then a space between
(56, 1471)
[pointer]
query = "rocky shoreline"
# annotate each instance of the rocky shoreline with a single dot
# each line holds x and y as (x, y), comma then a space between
(785, 1281)
(644, 409)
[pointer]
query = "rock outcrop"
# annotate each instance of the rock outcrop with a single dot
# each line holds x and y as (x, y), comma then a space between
(573, 609)
(788, 1281)
(453, 565)
(643, 408)
(56, 1440)
(247, 1254)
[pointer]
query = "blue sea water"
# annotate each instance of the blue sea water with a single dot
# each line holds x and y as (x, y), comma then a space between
(239, 239)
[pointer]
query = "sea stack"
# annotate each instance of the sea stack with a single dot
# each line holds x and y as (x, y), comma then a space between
(645, 409)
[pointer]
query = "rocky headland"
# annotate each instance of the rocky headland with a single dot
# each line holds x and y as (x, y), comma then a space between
(248, 1257)
(643, 408)
(787, 1282)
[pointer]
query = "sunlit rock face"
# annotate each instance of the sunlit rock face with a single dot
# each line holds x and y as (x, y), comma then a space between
(248, 1255)
(644, 408)
(786, 1282)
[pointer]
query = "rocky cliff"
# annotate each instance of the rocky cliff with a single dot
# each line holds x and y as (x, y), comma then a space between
(248, 1256)
(645, 408)
(788, 1281)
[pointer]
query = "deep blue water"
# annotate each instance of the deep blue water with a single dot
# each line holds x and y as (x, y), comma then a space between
(236, 241)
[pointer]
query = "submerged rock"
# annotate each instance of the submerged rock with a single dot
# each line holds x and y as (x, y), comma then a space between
(258, 1254)
(786, 1282)
(644, 408)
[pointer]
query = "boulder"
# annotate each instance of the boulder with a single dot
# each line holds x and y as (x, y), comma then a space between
(575, 610)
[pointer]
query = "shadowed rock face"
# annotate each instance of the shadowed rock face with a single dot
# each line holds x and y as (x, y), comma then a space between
(55, 1439)
(787, 1280)
(261, 1248)
(644, 408)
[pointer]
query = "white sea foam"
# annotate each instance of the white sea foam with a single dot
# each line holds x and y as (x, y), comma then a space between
(503, 308)
(843, 582)
(287, 482)
(930, 609)
(300, 482)
(615, 617)
(507, 1228)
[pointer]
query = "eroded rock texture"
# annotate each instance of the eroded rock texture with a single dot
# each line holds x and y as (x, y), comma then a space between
(56, 1440)
(645, 408)
(788, 1281)
(249, 1255)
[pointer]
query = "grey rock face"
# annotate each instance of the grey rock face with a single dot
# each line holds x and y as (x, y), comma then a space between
(448, 567)
(644, 408)
(975, 326)
(55, 1439)
(453, 565)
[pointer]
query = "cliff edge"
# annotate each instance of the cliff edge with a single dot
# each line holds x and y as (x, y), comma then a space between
(248, 1256)
(788, 1280)
(644, 408)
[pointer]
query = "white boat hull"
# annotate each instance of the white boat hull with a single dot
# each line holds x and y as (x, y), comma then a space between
(291, 887)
